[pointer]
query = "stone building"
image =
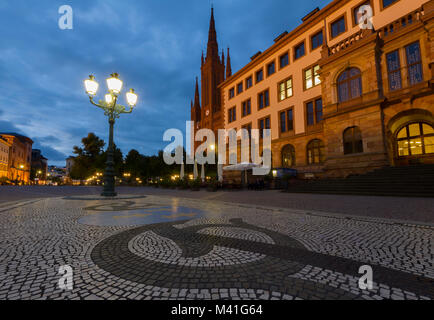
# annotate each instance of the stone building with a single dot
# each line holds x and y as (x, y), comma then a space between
(4, 157)
(39, 168)
(20, 157)
(341, 97)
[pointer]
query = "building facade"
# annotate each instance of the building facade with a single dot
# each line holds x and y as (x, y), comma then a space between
(39, 167)
(340, 99)
(4, 157)
(20, 157)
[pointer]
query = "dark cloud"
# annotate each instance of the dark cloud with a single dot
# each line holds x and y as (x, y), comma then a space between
(154, 45)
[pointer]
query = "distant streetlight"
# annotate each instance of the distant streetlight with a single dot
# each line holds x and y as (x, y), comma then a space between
(113, 111)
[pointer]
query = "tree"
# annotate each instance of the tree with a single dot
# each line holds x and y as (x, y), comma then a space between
(90, 158)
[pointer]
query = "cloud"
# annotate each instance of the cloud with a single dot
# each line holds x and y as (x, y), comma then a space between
(154, 45)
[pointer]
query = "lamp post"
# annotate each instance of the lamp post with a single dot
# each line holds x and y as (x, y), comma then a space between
(113, 111)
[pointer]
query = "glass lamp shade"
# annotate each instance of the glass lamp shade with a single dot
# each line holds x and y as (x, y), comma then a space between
(114, 84)
(132, 98)
(108, 98)
(91, 86)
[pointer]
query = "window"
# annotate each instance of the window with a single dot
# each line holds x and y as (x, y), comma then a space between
(286, 121)
(271, 68)
(314, 112)
(394, 70)
(285, 89)
(316, 40)
(357, 14)
(247, 107)
(232, 114)
(414, 63)
(387, 3)
(353, 140)
(415, 139)
(263, 99)
(349, 84)
(239, 88)
(249, 82)
(299, 51)
(248, 127)
(284, 60)
(231, 93)
(315, 152)
(259, 76)
(338, 27)
(288, 156)
(263, 124)
(311, 77)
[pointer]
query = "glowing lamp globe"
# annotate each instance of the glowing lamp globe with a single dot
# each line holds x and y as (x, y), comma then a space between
(132, 98)
(114, 84)
(91, 86)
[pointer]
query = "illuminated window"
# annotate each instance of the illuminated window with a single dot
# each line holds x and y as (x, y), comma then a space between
(311, 77)
(415, 139)
(285, 89)
(315, 152)
(288, 156)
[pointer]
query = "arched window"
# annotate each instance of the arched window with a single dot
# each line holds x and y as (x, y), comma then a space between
(315, 152)
(415, 139)
(349, 84)
(353, 140)
(288, 156)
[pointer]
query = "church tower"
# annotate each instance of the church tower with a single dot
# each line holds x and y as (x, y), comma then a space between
(208, 113)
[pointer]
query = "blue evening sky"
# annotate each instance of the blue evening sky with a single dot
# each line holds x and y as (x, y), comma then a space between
(155, 46)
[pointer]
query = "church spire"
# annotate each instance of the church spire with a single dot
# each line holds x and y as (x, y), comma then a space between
(228, 66)
(212, 50)
(196, 95)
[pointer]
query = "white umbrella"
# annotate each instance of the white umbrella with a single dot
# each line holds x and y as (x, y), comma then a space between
(220, 172)
(195, 174)
(202, 173)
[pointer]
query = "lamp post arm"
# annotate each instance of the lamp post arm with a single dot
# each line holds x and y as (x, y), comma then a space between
(95, 104)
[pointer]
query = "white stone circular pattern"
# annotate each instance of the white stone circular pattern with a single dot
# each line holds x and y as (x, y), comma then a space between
(237, 233)
(153, 247)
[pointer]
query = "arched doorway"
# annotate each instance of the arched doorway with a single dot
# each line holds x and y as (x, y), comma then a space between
(414, 141)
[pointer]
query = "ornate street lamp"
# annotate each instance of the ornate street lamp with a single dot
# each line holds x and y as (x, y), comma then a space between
(113, 111)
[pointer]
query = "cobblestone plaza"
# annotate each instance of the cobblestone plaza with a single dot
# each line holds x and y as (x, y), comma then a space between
(155, 247)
